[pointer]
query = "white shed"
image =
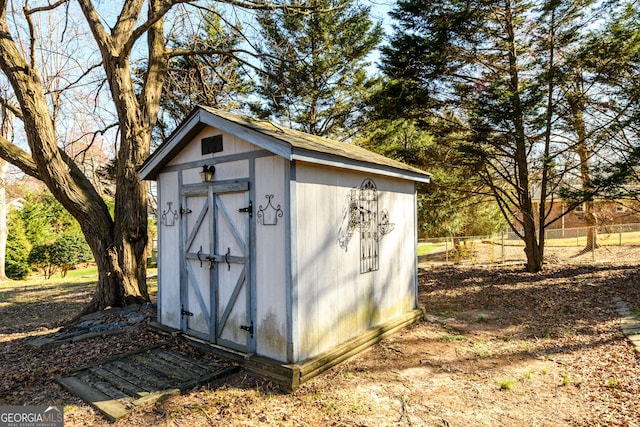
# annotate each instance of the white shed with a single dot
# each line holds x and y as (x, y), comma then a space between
(296, 253)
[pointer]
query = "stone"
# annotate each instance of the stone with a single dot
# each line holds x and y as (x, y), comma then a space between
(89, 323)
(98, 328)
(130, 308)
(136, 317)
(631, 329)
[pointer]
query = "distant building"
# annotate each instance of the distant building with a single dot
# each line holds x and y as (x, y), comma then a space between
(606, 212)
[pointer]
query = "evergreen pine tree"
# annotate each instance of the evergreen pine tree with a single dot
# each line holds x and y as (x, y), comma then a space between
(314, 66)
(496, 66)
(203, 77)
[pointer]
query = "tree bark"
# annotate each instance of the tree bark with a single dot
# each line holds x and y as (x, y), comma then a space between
(136, 115)
(118, 244)
(577, 107)
(533, 248)
(4, 208)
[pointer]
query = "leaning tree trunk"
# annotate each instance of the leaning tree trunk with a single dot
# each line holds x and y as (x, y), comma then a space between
(118, 244)
(137, 115)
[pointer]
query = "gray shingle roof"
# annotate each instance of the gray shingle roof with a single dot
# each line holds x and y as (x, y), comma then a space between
(289, 143)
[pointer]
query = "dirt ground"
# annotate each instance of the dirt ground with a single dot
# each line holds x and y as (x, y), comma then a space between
(498, 347)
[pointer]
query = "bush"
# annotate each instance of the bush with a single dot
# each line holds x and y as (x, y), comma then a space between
(68, 251)
(16, 270)
(41, 257)
(16, 262)
(79, 246)
(63, 255)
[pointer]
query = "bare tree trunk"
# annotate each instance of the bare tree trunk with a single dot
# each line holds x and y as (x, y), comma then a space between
(533, 248)
(137, 114)
(6, 129)
(118, 244)
(577, 107)
(591, 222)
(4, 208)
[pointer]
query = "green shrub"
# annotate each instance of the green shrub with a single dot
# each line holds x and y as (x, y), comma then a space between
(62, 255)
(16, 262)
(16, 270)
(41, 258)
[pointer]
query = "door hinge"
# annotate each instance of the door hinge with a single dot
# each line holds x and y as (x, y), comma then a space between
(184, 210)
(248, 328)
(248, 209)
(184, 312)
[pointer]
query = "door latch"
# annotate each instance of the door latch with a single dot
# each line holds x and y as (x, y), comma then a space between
(248, 328)
(184, 312)
(248, 209)
(206, 258)
(184, 210)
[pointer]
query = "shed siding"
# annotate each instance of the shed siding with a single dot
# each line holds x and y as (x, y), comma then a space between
(184, 172)
(168, 253)
(335, 301)
(303, 276)
(271, 261)
(193, 150)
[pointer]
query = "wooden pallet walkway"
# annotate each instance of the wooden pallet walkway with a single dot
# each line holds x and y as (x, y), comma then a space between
(117, 385)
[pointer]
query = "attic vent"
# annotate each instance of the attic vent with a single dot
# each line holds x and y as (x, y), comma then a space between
(212, 144)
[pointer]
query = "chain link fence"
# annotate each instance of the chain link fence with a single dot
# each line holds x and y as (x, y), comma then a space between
(567, 245)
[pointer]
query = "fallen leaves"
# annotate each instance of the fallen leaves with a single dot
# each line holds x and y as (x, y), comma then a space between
(499, 347)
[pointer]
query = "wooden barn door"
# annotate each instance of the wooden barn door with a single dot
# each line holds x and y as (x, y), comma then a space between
(195, 287)
(215, 286)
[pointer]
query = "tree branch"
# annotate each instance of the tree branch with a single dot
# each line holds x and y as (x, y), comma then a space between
(172, 53)
(14, 109)
(153, 18)
(125, 24)
(157, 64)
(266, 6)
(32, 38)
(104, 39)
(70, 85)
(93, 138)
(50, 6)
(20, 158)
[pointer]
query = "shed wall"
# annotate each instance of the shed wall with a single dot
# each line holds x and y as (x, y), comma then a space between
(308, 292)
(271, 259)
(269, 255)
(336, 302)
(168, 253)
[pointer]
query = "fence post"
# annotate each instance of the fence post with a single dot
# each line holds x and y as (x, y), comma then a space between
(446, 250)
(620, 235)
(593, 245)
(502, 247)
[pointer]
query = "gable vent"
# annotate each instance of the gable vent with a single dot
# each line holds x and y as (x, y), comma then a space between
(212, 144)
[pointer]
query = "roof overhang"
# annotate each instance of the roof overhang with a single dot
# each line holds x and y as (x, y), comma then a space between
(201, 117)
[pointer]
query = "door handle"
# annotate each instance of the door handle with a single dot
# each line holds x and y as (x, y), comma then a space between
(226, 258)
